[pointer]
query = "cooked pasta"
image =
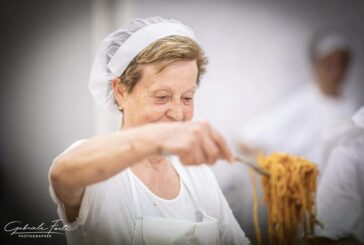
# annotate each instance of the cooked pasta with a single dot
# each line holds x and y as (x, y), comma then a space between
(255, 208)
(290, 193)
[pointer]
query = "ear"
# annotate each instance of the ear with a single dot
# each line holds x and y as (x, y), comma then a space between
(119, 91)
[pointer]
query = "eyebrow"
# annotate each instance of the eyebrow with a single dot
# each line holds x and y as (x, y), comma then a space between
(193, 89)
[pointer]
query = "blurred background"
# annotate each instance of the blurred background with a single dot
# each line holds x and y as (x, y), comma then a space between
(258, 54)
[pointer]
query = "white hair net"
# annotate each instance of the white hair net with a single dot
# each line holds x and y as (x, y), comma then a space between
(120, 47)
(327, 43)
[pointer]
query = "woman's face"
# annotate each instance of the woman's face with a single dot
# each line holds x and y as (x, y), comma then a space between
(167, 95)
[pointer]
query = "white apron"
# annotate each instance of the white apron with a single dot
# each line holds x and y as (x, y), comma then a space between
(159, 230)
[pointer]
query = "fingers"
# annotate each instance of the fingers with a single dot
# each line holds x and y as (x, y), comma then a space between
(198, 154)
(193, 153)
(213, 144)
(198, 143)
(211, 150)
(224, 149)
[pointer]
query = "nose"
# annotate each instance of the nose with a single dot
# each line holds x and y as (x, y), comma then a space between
(175, 112)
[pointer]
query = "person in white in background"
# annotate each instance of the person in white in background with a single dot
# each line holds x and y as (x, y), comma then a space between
(297, 124)
(340, 197)
(134, 186)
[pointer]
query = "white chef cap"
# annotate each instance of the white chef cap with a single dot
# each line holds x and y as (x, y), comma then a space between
(120, 47)
(326, 43)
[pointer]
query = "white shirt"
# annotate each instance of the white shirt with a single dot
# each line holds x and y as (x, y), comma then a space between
(107, 213)
(296, 126)
(340, 196)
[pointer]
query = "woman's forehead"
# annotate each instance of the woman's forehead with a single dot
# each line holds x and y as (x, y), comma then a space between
(168, 85)
(181, 75)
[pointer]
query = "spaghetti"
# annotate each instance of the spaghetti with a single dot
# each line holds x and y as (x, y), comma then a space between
(290, 193)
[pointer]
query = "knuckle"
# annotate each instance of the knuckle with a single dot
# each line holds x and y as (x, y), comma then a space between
(184, 149)
(210, 160)
(191, 141)
(196, 132)
(198, 128)
(204, 124)
(184, 160)
(215, 153)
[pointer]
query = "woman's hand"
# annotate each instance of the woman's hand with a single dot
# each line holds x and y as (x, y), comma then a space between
(194, 142)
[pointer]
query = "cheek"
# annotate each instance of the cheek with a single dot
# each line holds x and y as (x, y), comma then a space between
(140, 112)
(188, 112)
(152, 113)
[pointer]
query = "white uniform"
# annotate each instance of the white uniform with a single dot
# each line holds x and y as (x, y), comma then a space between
(122, 210)
(340, 197)
(298, 124)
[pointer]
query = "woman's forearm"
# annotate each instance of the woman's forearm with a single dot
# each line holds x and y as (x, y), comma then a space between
(101, 157)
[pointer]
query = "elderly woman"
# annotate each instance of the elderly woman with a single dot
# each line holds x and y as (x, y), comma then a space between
(146, 183)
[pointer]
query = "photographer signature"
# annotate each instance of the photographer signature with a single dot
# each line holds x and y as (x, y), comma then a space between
(17, 228)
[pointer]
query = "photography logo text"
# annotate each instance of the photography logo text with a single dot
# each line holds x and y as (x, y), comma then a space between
(21, 230)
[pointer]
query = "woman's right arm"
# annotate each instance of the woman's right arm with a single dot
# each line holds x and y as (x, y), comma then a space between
(102, 157)
(95, 160)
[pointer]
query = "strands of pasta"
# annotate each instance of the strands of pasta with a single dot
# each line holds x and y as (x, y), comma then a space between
(290, 193)
(255, 208)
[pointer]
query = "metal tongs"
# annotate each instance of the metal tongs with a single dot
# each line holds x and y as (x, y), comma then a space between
(241, 159)
(252, 165)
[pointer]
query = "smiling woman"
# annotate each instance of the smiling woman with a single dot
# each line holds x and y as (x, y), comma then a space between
(157, 91)
(137, 185)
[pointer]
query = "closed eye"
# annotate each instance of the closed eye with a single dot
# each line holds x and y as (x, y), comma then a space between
(187, 99)
(162, 99)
